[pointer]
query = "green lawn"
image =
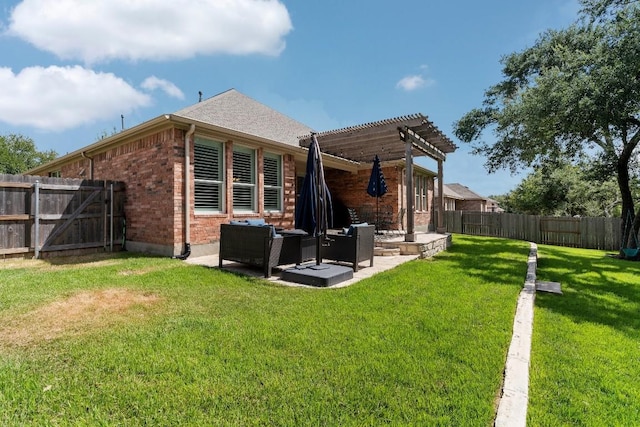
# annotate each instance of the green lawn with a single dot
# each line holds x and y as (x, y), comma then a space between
(585, 365)
(138, 340)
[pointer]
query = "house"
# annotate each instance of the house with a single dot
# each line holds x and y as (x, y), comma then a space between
(494, 206)
(458, 197)
(231, 157)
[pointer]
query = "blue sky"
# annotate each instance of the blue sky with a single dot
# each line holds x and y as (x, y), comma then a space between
(70, 68)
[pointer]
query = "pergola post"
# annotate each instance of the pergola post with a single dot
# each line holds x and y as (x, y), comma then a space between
(409, 235)
(440, 226)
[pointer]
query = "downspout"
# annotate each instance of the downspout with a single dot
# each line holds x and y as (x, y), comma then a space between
(90, 164)
(187, 194)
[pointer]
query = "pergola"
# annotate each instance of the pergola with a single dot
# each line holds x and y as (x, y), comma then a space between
(392, 139)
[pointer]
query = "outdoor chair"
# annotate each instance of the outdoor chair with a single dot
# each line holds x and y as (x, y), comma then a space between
(256, 245)
(354, 246)
(353, 216)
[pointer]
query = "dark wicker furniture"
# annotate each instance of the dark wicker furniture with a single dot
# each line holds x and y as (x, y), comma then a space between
(250, 244)
(353, 248)
(298, 246)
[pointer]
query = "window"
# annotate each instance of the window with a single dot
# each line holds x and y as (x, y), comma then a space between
(420, 184)
(272, 182)
(244, 179)
(416, 186)
(208, 175)
(55, 174)
(423, 193)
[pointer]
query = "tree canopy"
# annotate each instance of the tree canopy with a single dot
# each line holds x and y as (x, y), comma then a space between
(564, 189)
(18, 154)
(575, 92)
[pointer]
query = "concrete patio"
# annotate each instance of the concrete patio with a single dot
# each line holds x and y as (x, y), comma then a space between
(425, 246)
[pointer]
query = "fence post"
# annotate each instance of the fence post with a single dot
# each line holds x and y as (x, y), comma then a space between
(36, 219)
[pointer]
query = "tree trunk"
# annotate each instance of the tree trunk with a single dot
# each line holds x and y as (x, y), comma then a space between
(628, 209)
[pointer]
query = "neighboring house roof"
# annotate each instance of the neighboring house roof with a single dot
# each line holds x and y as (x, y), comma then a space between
(448, 192)
(462, 192)
(236, 111)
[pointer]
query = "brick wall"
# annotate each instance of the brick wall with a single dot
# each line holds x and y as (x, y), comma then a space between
(147, 166)
(350, 189)
(152, 169)
(471, 205)
(205, 228)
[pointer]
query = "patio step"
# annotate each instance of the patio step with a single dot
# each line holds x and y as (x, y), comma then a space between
(381, 251)
(421, 249)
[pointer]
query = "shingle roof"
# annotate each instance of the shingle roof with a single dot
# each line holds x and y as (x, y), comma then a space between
(449, 193)
(463, 192)
(236, 111)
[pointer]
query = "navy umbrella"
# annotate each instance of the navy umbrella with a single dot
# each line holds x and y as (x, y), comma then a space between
(377, 186)
(314, 210)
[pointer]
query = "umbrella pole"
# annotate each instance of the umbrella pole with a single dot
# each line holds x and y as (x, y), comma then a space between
(377, 215)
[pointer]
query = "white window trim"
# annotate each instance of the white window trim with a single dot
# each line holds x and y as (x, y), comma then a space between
(280, 188)
(221, 183)
(254, 178)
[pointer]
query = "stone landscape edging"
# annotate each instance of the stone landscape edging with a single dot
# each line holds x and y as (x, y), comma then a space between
(512, 408)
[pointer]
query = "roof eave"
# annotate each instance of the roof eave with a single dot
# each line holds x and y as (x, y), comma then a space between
(299, 153)
(102, 145)
(166, 119)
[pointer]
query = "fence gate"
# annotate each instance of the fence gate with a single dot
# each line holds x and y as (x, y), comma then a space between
(46, 216)
(560, 231)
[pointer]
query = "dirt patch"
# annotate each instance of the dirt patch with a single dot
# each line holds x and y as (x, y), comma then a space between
(80, 313)
(48, 265)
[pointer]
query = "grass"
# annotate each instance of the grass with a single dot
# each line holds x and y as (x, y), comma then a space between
(136, 340)
(585, 365)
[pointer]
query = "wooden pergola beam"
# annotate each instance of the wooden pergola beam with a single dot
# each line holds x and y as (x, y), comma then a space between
(417, 137)
(361, 143)
(408, 135)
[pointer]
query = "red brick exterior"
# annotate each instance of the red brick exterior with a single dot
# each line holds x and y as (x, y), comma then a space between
(152, 169)
(471, 205)
(151, 165)
(351, 190)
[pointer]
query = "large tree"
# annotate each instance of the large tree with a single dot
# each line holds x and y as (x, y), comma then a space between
(575, 92)
(18, 154)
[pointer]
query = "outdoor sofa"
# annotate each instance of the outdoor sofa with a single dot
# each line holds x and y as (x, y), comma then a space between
(256, 243)
(354, 245)
(250, 242)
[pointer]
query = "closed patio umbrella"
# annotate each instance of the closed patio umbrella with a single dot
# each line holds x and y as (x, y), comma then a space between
(377, 185)
(314, 210)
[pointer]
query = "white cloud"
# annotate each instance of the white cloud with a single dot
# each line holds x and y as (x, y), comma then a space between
(414, 82)
(102, 30)
(60, 98)
(153, 83)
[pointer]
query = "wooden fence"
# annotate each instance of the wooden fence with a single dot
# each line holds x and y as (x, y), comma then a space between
(47, 216)
(589, 233)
